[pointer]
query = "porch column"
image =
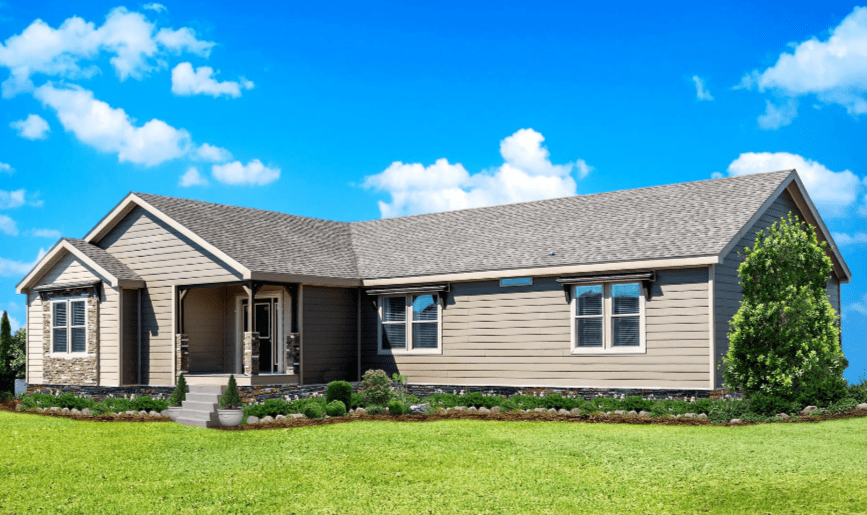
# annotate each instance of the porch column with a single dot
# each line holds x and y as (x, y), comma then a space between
(182, 349)
(251, 353)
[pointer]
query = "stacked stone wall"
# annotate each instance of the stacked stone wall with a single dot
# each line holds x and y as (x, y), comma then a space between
(71, 368)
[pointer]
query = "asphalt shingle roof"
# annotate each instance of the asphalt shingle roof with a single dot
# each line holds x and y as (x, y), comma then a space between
(102, 258)
(678, 220)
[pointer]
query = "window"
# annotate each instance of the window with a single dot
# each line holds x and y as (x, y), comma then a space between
(410, 324)
(608, 318)
(69, 326)
(516, 281)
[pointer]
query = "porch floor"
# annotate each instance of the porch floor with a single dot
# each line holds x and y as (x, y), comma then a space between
(241, 379)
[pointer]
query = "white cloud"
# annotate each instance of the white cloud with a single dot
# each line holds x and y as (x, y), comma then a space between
(192, 177)
(110, 129)
(253, 173)
(526, 174)
(53, 234)
(859, 307)
(12, 199)
(6, 168)
(832, 191)
(127, 36)
(841, 239)
(833, 69)
(187, 82)
(212, 154)
(701, 91)
(778, 116)
(863, 209)
(32, 127)
(8, 226)
(153, 6)
(11, 268)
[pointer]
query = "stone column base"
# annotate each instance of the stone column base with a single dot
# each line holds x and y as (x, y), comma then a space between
(251, 354)
(182, 348)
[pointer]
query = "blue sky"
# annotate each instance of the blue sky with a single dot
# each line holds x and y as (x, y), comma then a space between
(352, 111)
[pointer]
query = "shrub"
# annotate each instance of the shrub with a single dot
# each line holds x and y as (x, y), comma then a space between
(356, 401)
(146, 403)
(637, 403)
(376, 387)
(858, 391)
(823, 392)
(770, 405)
(339, 391)
(335, 409)
(180, 393)
(313, 411)
(396, 408)
(843, 406)
(112, 405)
(375, 409)
(230, 398)
(784, 339)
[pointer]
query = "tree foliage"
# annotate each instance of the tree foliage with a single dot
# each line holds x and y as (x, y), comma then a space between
(7, 378)
(785, 338)
(231, 399)
(17, 356)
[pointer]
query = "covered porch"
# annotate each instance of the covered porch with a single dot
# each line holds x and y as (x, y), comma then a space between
(218, 335)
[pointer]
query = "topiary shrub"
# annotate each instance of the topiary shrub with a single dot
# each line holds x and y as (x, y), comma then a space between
(313, 411)
(230, 398)
(785, 338)
(335, 409)
(339, 391)
(376, 387)
(179, 395)
(396, 408)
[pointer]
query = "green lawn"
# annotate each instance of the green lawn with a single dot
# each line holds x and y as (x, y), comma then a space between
(58, 465)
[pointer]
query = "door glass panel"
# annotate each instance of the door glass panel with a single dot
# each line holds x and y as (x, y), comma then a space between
(263, 320)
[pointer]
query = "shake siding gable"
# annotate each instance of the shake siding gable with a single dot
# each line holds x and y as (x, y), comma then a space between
(520, 336)
(162, 257)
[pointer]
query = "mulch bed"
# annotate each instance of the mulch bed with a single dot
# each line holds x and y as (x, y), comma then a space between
(519, 416)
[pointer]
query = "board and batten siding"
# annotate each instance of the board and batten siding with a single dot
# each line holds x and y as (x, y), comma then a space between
(727, 289)
(70, 270)
(161, 256)
(520, 336)
(330, 338)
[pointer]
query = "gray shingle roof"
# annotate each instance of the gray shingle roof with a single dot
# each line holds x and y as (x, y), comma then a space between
(678, 220)
(102, 258)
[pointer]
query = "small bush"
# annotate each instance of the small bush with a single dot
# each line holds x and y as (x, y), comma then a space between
(113, 405)
(375, 409)
(770, 405)
(376, 387)
(313, 411)
(230, 398)
(269, 408)
(339, 391)
(356, 401)
(396, 408)
(637, 403)
(335, 409)
(146, 403)
(858, 391)
(843, 405)
(179, 395)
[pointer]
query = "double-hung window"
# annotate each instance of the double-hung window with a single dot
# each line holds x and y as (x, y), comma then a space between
(607, 318)
(69, 326)
(410, 324)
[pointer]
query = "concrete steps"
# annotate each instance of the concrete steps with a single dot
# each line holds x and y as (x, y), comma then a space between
(200, 407)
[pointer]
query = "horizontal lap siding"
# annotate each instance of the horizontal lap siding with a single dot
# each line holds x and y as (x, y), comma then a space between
(161, 256)
(204, 321)
(727, 289)
(520, 336)
(130, 336)
(70, 270)
(330, 337)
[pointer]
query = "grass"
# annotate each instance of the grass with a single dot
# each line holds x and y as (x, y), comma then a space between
(462, 466)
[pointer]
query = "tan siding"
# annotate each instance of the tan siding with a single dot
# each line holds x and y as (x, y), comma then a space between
(130, 337)
(330, 334)
(160, 255)
(521, 336)
(109, 356)
(34, 338)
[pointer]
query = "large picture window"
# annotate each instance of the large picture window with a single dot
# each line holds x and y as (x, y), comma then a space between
(410, 324)
(69, 326)
(608, 318)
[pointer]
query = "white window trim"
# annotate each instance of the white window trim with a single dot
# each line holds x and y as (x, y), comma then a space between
(409, 323)
(69, 326)
(607, 324)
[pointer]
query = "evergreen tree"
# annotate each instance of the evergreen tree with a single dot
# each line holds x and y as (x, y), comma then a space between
(231, 399)
(785, 338)
(6, 376)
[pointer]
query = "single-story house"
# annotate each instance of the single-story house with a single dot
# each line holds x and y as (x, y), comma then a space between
(623, 290)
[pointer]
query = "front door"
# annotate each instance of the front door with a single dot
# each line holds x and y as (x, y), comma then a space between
(266, 325)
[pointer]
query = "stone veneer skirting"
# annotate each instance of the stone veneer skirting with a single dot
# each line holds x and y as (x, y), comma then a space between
(79, 369)
(254, 394)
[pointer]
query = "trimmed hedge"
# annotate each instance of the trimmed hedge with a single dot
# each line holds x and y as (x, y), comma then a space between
(335, 409)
